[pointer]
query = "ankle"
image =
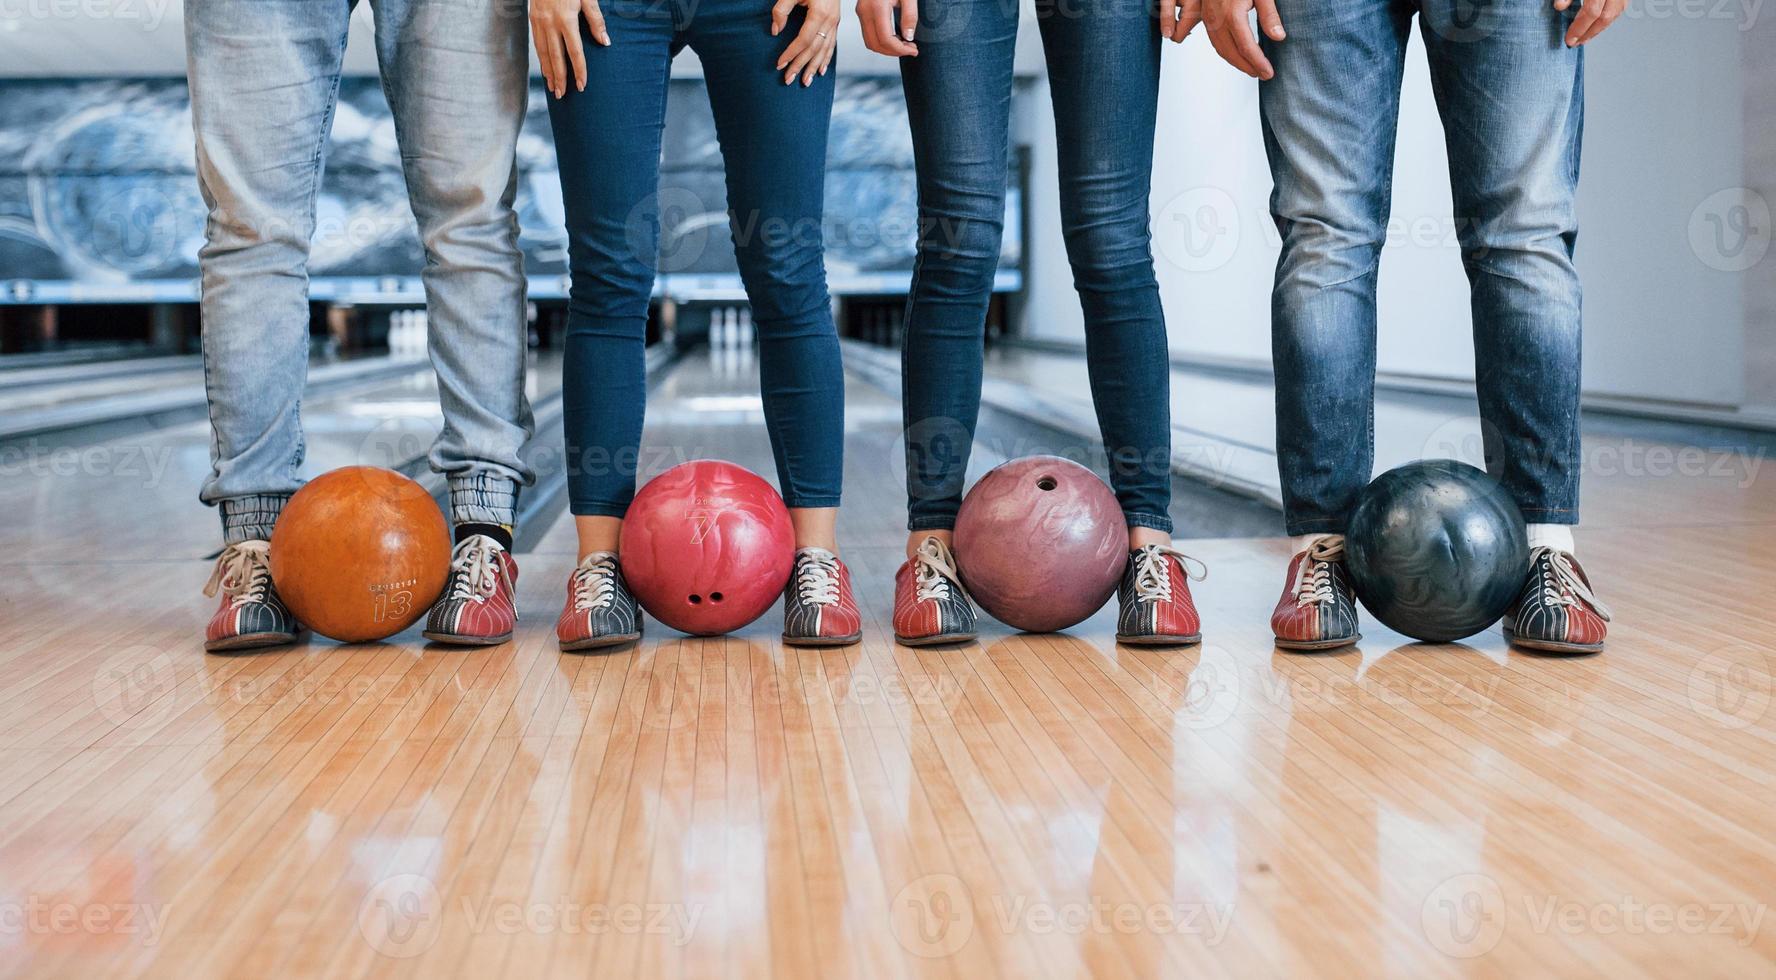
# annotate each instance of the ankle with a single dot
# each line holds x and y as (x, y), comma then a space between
(1556, 536)
(918, 538)
(1141, 537)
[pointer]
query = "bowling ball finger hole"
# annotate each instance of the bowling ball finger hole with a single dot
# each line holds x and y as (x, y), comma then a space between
(715, 597)
(696, 599)
(1046, 483)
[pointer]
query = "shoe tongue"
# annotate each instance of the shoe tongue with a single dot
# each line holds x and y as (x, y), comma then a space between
(816, 553)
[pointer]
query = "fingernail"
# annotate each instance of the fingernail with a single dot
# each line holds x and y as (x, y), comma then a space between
(909, 35)
(604, 39)
(1277, 32)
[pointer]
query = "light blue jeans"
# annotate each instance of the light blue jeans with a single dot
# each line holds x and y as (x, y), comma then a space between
(264, 80)
(1511, 97)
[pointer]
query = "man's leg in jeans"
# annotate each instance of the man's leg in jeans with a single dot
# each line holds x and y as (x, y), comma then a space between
(1329, 120)
(1512, 100)
(263, 78)
(455, 76)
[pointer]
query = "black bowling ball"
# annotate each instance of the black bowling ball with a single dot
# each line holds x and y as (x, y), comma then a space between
(1436, 550)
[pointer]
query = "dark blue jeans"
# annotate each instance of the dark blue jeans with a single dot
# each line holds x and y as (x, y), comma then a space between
(1511, 97)
(773, 143)
(1103, 65)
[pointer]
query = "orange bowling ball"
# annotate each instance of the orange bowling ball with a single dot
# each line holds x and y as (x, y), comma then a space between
(360, 553)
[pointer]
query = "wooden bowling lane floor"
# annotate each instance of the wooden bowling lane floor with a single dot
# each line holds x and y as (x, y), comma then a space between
(1021, 806)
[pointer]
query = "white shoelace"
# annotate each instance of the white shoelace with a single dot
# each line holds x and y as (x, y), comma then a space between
(475, 569)
(817, 577)
(243, 572)
(934, 572)
(1561, 583)
(595, 582)
(1313, 580)
(1153, 574)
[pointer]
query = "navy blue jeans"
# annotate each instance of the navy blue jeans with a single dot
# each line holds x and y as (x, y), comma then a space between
(1511, 97)
(1103, 65)
(773, 143)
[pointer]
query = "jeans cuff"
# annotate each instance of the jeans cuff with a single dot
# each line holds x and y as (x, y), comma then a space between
(938, 523)
(592, 508)
(1295, 526)
(1157, 522)
(799, 503)
(251, 518)
(483, 498)
(1550, 515)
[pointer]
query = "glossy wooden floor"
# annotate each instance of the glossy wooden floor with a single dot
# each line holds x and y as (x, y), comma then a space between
(1022, 806)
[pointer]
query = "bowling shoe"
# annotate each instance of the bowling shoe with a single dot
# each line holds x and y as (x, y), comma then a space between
(600, 611)
(1318, 610)
(251, 614)
(479, 606)
(1155, 595)
(818, 608)
(930, 605)
(1556, 612)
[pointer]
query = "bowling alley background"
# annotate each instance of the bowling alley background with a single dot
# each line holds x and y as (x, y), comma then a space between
(1026, 804)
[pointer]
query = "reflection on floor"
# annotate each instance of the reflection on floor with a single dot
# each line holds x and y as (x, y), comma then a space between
(1021, 806)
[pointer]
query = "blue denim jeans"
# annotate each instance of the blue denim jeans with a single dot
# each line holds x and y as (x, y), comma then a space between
(773, 145)
(1103, 70)
(1511, 97)
(264, 79)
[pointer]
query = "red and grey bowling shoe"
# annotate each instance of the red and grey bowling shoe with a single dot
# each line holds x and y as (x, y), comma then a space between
(818, 607)
(930, 605)
(479, 606)
(1556, 612)
(600, 610)
(1318, 610)
(1155, 595)
(251, 614)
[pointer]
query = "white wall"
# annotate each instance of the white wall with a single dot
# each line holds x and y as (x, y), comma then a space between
(1664, 320)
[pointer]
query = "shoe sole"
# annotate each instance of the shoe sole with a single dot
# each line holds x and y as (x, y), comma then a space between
(1160, 641)
(598, 642)
(1313, 645)
(942, 639)
(1551, 646)
(454, 640)
(822, 641)
(250, 641)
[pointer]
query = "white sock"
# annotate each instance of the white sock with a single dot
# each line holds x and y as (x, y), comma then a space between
(1302, 542)
(1556, 536)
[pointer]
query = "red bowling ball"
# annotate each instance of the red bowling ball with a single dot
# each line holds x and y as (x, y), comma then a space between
(1041, 543)
(707, 547)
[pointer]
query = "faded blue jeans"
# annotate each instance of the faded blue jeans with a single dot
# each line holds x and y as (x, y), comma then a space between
(773, 146)
(1511, 97)
(1103, 73)
(264, 79)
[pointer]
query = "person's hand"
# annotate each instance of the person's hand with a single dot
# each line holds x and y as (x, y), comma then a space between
(1594, 17)
(555, 30)
(1177, 18)
(876, 17)
(1231, 33)
(812, 50)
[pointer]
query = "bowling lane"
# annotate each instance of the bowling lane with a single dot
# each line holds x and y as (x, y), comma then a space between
(134, 497)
